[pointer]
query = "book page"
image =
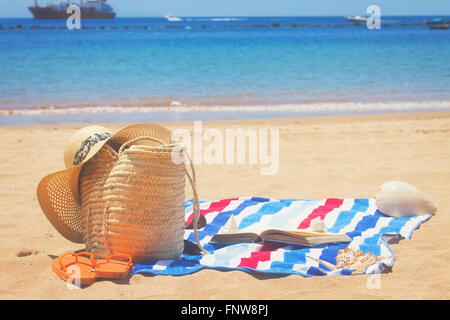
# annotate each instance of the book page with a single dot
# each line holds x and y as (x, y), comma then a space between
(231, 227)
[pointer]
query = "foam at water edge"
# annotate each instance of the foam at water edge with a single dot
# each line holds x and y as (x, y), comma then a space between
(301, 108)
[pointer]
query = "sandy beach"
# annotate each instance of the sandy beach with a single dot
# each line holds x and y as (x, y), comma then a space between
(319, 157)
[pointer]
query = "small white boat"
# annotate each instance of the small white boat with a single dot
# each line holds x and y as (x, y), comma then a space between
(356, 18)
(170, 17)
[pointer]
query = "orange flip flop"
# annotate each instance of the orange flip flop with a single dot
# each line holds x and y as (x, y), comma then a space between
(75, 265)
(111, 267)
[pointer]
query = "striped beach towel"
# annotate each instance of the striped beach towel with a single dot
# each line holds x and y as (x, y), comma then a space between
(370, 231)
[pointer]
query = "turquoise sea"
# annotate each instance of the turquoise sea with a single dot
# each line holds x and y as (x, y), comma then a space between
(215, 62)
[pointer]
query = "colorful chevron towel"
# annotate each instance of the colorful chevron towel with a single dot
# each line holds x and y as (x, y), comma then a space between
(369, 229)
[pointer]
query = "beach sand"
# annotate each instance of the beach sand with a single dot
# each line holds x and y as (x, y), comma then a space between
(320, 157)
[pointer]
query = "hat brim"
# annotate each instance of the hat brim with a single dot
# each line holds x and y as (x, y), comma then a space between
(58, 193)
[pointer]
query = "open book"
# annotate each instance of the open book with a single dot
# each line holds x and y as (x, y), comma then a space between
(230, 234)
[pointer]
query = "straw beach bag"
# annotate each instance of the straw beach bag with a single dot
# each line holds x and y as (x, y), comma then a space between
(132, 200)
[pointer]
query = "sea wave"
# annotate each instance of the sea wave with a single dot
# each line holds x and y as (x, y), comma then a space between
(307, 108)
(220, 19)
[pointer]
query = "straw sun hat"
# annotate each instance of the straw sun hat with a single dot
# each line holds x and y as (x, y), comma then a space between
(58, 193)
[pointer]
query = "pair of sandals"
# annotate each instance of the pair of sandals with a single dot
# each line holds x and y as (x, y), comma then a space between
(85, 267)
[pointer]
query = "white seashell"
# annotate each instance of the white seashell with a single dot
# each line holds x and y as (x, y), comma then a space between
(317, 225)
(231, 226)
(401, 199)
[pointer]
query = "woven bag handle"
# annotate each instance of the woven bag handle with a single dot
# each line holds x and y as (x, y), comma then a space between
(192, 181)
(196, 204)
(126, 144)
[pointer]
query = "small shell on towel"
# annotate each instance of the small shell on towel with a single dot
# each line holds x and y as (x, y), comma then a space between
(317, 225)
(347, 257)
(401, 199)
(230, 227)
(353, 259)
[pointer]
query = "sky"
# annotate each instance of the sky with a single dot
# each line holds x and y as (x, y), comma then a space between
(223, 8)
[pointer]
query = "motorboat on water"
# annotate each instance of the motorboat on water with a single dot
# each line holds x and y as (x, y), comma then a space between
(356, 18)
(170, 17)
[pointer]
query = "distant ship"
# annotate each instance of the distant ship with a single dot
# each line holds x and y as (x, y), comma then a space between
(170, 17)
(356, 18)
(90, 9)
(438, 24)
(436, 21)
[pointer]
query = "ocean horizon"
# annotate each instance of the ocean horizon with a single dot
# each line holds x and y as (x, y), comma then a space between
(245, 65)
